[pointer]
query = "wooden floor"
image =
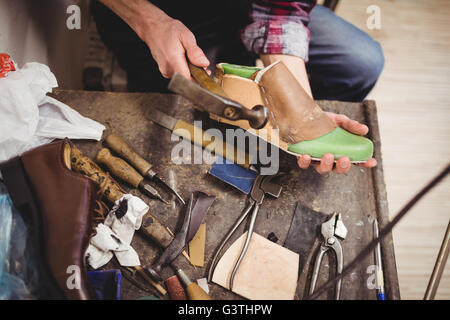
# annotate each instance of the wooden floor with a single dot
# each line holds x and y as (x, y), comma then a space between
(413, 98)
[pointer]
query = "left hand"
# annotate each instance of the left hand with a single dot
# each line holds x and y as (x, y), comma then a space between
(343, 163)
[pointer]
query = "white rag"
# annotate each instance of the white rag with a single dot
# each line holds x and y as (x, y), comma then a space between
(114, 235)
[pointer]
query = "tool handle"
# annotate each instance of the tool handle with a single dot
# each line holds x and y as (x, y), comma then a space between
(123, 149)
(200, 137)
(84, 165)
(195, 292)
(205, 81)
(151, 227)
(119, 168)
(156, 285)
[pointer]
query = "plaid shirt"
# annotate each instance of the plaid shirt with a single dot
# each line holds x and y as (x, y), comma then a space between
(278, 27)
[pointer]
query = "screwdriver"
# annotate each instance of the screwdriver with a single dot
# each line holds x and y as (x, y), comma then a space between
(118, 145)
(122, 170)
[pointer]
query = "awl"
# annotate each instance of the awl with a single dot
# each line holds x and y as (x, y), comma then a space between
(122, 148)
(200, 137)
(122, 170)
(207, 100)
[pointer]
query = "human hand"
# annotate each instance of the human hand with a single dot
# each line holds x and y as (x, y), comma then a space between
(342, 164)
(169, 41)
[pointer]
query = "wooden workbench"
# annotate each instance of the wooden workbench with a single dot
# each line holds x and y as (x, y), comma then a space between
(358, 195)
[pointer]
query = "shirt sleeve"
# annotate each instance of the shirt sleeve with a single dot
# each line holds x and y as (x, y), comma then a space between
(278, 27)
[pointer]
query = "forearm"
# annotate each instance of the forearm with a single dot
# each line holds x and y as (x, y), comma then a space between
(138, 14)
(295, 64)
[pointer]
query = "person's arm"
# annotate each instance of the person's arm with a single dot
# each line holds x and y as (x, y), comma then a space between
(278, 31)
(168, 39)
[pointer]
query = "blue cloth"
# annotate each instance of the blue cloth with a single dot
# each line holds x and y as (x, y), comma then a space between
(344, 62)
(106, 283)
(233, 174)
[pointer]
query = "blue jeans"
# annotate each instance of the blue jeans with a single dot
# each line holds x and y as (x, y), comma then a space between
(344, 62)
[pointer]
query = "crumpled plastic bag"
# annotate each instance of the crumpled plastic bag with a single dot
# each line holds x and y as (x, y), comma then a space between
(29, 118)
(17, 273)
(114, 235)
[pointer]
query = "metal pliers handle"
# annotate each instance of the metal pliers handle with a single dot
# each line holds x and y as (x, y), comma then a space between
(330, 230)
(334, 244)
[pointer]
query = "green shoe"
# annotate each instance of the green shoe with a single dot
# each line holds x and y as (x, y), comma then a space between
(332, 139)
(338, 142)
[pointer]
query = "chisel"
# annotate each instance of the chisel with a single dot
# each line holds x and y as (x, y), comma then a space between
(200, 137)
(122, 148)
(110, 190)
(122, 170)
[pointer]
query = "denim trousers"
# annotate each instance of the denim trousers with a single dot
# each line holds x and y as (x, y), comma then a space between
(344, 62)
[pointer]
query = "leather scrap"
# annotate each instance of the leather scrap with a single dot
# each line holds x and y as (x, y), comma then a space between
(268, 271)
(200, 203)
(197, 247)
(291, 109)
(304, 229)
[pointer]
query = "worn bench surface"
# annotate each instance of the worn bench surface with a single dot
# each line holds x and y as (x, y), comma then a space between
(358, 195)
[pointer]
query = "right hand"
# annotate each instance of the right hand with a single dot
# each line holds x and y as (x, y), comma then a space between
(169, 42)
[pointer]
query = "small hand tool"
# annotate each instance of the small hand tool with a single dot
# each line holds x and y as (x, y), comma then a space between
(118, 145)
(214, 103)
(330, 230)
(122, 170)
(188, 131)
(263, 185)
(379, 272)
(111, 191)
(197, 207)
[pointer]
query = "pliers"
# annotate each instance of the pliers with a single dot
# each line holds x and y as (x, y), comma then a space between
(330, 230)
(261, 186)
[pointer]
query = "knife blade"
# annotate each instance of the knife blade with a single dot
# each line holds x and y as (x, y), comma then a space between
(200, 137)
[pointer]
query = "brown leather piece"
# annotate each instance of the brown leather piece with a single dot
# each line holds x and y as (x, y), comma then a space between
(291, 109)
(247, 93)
(66, 201)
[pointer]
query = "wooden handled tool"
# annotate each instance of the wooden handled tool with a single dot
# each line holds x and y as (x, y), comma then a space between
(193, 290)
(122, 170)
(151, 227)
(200, 137)
(123, 149)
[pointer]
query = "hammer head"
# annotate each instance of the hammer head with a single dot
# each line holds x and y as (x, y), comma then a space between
(218, 104)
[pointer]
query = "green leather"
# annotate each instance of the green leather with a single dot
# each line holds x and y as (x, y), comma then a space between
(337, 142)
(238, 70)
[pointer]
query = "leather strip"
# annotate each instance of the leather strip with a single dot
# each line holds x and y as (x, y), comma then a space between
(200, 205)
